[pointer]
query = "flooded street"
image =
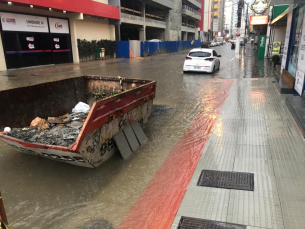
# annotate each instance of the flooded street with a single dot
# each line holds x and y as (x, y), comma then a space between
(40, 193)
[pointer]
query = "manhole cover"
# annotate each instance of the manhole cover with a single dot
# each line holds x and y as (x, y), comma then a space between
(192, 223)
(229, 180)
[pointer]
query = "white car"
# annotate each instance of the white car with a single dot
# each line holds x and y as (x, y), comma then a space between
(218, 43)
(213, 44)
(201, 60)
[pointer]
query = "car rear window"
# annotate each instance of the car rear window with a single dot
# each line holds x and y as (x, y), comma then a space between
(199, 54)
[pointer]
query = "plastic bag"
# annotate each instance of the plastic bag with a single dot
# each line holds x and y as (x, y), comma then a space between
(81, 107)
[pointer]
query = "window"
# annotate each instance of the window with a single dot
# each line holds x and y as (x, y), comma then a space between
(199, 54)
(214, 53)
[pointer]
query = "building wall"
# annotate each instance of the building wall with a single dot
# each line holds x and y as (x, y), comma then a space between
(95, 29)
(280, 33)
(175, 21)
(81, 27)
(207, 15)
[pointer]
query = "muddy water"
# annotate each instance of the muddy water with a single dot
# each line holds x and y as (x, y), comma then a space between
(40, 193)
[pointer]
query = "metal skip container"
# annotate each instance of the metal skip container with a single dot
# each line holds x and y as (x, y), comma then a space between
(94, 143)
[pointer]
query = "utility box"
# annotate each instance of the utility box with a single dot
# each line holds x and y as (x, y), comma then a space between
(98, 53)
(103, 53)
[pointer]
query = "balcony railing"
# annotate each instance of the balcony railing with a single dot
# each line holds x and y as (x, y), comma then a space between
(190, 9)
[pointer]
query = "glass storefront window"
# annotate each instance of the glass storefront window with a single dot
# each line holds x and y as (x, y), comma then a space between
(296, 34)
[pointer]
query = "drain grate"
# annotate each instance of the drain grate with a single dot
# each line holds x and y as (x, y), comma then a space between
(229, 180)
(193, 223)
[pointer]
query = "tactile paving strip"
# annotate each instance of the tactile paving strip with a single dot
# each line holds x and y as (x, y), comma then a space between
(228, 180)
(193, 223)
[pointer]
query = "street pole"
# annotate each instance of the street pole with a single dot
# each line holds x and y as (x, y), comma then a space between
(213, 21)
(246, 20)
(239, 12)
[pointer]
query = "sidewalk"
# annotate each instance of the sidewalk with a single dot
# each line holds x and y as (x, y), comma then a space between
(254, 133)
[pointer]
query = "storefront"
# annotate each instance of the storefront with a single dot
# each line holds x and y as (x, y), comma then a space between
(30, 40)
(295, 40)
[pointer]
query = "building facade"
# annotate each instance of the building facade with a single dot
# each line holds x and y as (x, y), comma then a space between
(166, 20)
(35, 32)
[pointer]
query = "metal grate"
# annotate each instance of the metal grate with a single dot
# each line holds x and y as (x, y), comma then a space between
(193, 223)
(229, 180)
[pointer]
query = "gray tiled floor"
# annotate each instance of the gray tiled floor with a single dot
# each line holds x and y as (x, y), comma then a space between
(255, 133)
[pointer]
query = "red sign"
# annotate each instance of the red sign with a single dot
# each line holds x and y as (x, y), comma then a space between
(237, 32)
(87, 7)
(259, 20)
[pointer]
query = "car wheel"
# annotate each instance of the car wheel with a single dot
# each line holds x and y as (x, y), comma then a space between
(219, 66)
(213, 69)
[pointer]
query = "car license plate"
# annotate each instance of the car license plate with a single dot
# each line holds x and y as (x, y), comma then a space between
(196, 67)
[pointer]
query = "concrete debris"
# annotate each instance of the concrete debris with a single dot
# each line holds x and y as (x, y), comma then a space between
(55, 132)
(58, 135)
(59, 120)
(40, 123)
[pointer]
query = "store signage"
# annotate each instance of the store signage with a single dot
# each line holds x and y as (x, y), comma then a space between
(31, 46)
(23, 23)
(261, 47)
(30, 38)
(215, 26)
(56, 39)
(259, 20)
(57, 46)
(237, 32)
(59, 25)
(287, 37)
(299, 82)
(259, 6)
(301, 61)
(276, 48)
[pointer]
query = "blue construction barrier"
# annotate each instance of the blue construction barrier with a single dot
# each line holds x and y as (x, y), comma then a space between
(122, 49)
(154, 48)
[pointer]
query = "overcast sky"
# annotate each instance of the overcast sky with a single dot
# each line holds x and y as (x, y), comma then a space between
(228, 10)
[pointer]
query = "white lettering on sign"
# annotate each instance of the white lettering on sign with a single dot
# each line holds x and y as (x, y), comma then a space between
(23, 23)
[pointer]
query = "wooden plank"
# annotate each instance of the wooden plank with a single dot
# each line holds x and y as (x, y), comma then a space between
(290, 80)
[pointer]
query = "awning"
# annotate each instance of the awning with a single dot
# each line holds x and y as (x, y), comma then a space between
(279, 12)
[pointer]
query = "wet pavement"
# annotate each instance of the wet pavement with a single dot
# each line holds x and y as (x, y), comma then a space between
(237, 120)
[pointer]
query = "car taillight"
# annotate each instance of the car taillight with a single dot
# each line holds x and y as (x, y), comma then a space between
(188, 58)
(209, 59)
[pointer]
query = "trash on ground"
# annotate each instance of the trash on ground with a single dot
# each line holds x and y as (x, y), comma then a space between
(7, 129)
(40, 123)
(58, 120)
(81, 107)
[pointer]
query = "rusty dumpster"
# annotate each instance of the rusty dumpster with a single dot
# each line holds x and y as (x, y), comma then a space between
(94, 143)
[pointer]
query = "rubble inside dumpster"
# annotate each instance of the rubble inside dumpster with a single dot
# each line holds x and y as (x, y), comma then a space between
(60, 131)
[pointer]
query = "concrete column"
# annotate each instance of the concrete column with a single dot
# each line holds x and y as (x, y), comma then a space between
(142, 31)
(2, 57)
(142, 34)
(167, 30)
(196, 34)
(73, 33)
(185, 36)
